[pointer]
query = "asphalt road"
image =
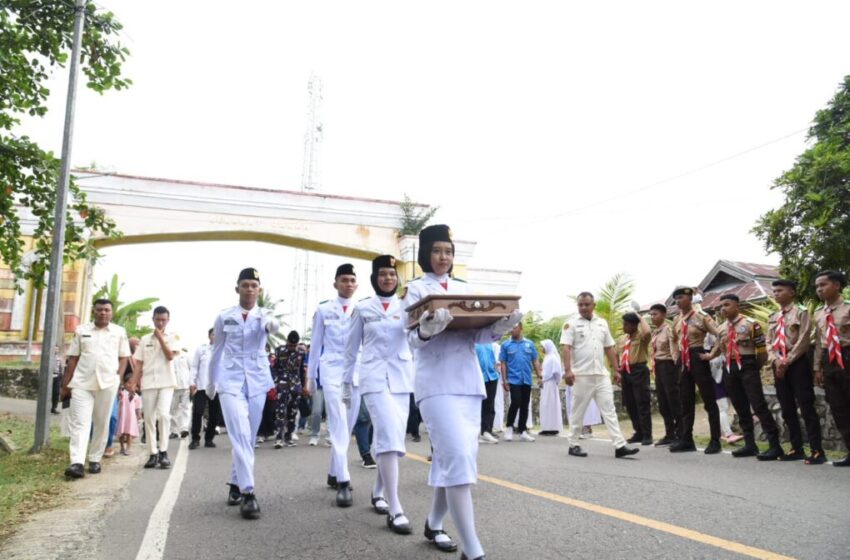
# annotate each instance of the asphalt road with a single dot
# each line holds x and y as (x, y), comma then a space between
(533, 501)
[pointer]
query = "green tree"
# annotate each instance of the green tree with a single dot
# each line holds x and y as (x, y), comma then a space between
(414, 220)
(126, 314)
(811, 230)
(267, 301)
(35, 41)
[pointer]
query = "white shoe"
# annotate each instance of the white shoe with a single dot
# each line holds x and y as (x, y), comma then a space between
(278, 444)
(525, 437)
(490, 438)
(260, 439)
(328, 443)
(294, 436)
(482, 439)
(314, 441)
(509, 435)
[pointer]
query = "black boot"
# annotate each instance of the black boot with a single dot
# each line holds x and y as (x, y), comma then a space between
(249, 508)
(774, 452)
(750, 449)
(332, 482)
(234, 496)
(164, 461)
(683, 446)
(343, 495)
(152, 462)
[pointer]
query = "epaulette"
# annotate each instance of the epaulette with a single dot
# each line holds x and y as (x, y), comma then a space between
(324, 302)
(365, 298)
(459, 280)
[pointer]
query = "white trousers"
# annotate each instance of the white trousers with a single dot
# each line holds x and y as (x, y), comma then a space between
(181, 411)
(156, 405)
(725, 426)
(90, 409)
(499, 408)
(388, 412)
(242, 416)
(339, 429)
(596, 388)
(454, 422)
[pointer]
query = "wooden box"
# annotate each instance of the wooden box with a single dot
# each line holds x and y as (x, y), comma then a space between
(469, 311)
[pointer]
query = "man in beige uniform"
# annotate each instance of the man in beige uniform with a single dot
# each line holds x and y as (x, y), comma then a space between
(832, 351)
(98, 353)
(155, 369)
(633, 349)
(665, 354)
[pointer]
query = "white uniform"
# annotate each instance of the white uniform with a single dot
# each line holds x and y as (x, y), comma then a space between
(240, 373)
(592, 417)
(181, 404)
(386, 368)
(449, 387)
(551, 419)
(158, 384)
(499, 405)
(331, 324)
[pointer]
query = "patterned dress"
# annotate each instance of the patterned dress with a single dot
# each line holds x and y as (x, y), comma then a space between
(287, 371)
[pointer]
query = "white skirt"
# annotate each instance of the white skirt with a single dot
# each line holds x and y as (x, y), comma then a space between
(388, 412)
(453, 423)
(551, 419)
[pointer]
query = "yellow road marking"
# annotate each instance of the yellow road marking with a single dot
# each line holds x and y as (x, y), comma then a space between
(682, 532)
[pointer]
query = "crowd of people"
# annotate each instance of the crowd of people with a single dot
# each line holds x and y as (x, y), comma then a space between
(373, 375)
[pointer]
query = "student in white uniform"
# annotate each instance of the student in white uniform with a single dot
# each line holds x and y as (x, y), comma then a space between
(449, 388)
(499, 404)
(386, 382)
(551, 419)
(240, 375)
(155, 370)
(326, 365)
(181, 404)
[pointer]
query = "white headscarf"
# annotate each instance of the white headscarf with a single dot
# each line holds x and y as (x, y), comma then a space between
(552, 368)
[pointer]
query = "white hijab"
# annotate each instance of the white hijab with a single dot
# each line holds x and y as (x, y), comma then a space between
(552, 368)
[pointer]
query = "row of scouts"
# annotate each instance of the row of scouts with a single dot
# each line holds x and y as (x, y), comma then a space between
(680, 358)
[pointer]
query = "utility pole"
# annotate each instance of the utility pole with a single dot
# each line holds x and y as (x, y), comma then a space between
(54, 285)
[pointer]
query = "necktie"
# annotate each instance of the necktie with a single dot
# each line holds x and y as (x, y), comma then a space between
(833, 344)
(244, 317)
(780, 344)
(732, 347)
(654, 351)
(386, 305)
(445, 285)
(624, 360)
(686, 345)
(344, 308)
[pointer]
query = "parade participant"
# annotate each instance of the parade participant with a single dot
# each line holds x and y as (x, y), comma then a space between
(665, 354)
(551, 420)
(788, 342)
(449, 389)
(689, 330)
(155, 369)
(129, 415)
(200, 400)
(832, 351)
(96, 357)
(586, 345)
(499, 402)
(240, 376)
(742, 342)
(331, 324)
(386, 382)
(181, 403)
(290, 378)
(592, 417)
(518, 358)
(487, 362)
(633, 349)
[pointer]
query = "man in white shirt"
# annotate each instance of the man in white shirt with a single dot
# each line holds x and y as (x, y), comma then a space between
(98, 352)
(586, 346)
(181, 404)
(200, 399)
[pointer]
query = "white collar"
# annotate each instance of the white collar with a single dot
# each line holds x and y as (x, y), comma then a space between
(442, 279)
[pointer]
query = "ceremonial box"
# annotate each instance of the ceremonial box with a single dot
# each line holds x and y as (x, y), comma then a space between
(469, 311)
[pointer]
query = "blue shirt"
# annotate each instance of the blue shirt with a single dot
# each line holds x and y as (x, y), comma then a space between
(487, 361)
(518, 356)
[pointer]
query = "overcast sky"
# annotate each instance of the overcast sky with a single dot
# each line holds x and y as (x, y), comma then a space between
(571, 142)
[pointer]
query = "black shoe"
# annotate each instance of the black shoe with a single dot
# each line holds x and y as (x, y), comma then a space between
(773, 453)
(54, 411)
(417, 438)
(234, 496)
(153, 461)
(332, 482)
(577, 451)
(383, 509)
(209, 443)
(666, 440)
(647, 441)
(625, 451)
(164, 461)
(428, 458)
(749, 450)
(368, 462)
(343, 495)
(636, 438)
(713, 447)
(818, 457)
(184, 434)
(793, 455)
(398, 528)
(173, 436)
(249, 509)
(195, 444)
(845, 462)
(683, 446)
(442, 546)
(75, 471)
(94, 468)
(465, 557)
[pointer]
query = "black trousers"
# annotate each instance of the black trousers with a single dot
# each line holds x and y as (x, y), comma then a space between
(413, 417)
(667, 391)
(520, 397)
(200, 402)
(797, 388)
(637, 399)
(698, 376)
(488, 406)
(54, 395)
(745, 391)
(836, 384)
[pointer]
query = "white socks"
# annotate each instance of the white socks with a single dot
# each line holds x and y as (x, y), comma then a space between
(460, 505)
(388, 473)
(439, 508)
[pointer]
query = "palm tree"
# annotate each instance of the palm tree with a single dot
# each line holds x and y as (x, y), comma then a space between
(267, 301)
(125, 315)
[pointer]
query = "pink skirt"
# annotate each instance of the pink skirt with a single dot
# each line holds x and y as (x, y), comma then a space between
(127, 422)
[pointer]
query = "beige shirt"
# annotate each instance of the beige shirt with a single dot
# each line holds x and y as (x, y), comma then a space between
(699, 323)
(841, 317)
(663, 345)
(99, 351)
(638, 349)
(157, 371)
(588, 340)
(748, 334)
(798, 333)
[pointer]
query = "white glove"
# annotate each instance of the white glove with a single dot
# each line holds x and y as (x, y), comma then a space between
(346, 395)
(635, 306)
(311, 385)
(505, 324)
(431, 324)
(272, 326)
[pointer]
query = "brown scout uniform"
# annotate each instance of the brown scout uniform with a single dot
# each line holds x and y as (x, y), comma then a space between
(836, 380)
(665, 354)
(698, 375)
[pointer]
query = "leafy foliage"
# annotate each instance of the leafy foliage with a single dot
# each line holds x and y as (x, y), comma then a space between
(35, 40)
(811, 230)
(413, 220)
(126, 314)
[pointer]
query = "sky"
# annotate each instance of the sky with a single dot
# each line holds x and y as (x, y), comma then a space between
(571, 141)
